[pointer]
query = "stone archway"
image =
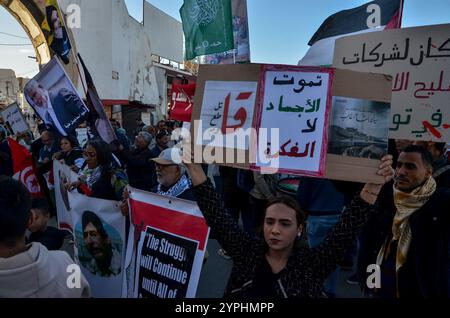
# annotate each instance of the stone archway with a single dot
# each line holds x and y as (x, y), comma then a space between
(30, 15)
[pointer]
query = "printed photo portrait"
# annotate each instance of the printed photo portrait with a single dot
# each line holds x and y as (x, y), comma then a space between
(99, 246)
(55, 100)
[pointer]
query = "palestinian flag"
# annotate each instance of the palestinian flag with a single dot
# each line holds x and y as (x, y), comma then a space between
(376, 15)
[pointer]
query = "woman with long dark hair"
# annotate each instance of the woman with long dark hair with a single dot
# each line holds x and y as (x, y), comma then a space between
(98, 178)
(70, 153)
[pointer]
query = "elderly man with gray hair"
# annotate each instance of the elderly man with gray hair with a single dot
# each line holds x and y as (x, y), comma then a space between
(139, 168)
(171, 175)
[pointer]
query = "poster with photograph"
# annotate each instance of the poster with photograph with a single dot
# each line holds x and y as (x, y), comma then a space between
(55, 30)
(99, 234)
(55, 99)
(359, 128)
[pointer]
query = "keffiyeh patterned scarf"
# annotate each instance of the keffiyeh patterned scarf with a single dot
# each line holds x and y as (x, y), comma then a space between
(406, 204)
(176, 190)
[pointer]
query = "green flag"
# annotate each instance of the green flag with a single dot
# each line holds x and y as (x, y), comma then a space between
(208, 27)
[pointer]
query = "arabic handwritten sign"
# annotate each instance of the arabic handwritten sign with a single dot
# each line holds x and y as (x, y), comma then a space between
(14, 117)
(297, 101)
(419, 61)
(227, 107)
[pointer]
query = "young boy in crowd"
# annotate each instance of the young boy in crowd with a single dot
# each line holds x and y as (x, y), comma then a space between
(50, 237)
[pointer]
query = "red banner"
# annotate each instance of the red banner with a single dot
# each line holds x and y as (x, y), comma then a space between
(182, 102)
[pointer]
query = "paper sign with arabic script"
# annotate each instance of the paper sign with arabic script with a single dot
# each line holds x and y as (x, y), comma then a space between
(419, 61)
(296, 100)
(226, 109)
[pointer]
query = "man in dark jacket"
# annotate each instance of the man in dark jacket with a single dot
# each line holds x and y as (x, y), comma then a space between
(140, 170)
(408, 237)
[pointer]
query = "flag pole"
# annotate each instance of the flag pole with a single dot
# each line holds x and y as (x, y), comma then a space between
(402, 4)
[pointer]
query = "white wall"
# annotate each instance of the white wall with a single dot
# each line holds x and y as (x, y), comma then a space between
(110, 40)
(165, 33)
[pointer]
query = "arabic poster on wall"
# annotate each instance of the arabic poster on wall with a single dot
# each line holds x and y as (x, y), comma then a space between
(14, 119)
(359, 128)
(296, 100)
(55, 99)
(419, 61)
(227, 110)
(99, 235)
(167, 244)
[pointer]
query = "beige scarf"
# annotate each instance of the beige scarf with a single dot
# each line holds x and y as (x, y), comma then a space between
(406, 204)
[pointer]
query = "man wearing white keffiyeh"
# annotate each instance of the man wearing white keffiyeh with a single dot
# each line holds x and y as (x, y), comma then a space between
(171, 175)
(408, 237)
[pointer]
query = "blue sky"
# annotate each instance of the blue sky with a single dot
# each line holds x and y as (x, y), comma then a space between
(279, 30)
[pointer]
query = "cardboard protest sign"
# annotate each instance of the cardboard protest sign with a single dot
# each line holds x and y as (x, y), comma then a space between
(227, 106)
(356, 144)
(99, 232)
(300, 99)
(55, 99)
(14, 118)
(167, 243)
(418, 60)
(295, 112)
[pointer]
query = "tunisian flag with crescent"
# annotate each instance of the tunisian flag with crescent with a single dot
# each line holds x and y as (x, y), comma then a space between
(24, 169)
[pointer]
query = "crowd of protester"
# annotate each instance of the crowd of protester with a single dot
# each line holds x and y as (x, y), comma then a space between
(281, 246)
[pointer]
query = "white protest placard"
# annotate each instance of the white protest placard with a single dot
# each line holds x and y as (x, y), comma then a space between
(227, 110)
(63, 175)
(99, 234)
(13, 116)
(82, 136)
(419, 61)
(169, 237)
(296, 100)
